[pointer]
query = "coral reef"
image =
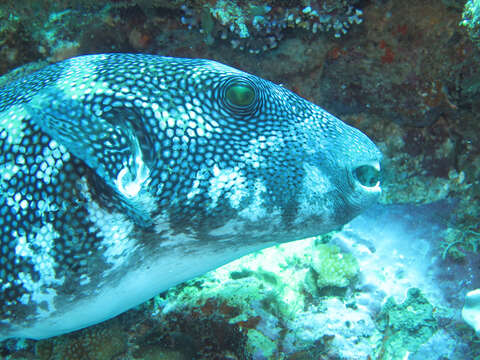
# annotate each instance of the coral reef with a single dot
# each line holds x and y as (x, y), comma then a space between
(258, 26)
(471, 19)
(331, 268)
(267, 296)
(101, 342)
(345, 332)
(406, 326)
(65, 29)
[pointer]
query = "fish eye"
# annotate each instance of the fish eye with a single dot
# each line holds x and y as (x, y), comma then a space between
(240, 94)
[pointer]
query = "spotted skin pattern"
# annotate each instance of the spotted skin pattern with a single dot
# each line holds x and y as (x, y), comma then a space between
(122, 175)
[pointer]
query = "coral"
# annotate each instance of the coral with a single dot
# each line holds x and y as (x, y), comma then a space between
(405, 326)
(425, 165)
(100, 342)
(255, 295)
(262, 295)
(49, 29)
(332, 268)
(15, 38)
(345, 332)
(257, 26)
(471, 19)
(201, 332)
(459, 240)
(260, 346)
(440, 346)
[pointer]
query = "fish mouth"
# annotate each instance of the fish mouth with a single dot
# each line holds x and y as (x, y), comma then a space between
(368, 176)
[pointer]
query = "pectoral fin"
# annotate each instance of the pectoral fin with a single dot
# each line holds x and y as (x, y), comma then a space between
(110, 147)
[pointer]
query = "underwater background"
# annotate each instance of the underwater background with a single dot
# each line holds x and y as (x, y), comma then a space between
(392, 283)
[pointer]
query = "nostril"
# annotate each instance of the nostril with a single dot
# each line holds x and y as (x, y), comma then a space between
(368, 175)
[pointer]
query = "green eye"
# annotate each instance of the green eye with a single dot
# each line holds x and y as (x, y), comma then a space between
(240, 95)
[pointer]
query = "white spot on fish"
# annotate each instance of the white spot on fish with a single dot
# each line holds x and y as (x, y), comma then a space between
(115, 230)
(255, 211)
(229, 182)
(201, 176)
(37, 247)
(12, 122)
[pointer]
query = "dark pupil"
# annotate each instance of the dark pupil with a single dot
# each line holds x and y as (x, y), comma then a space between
(240, 95)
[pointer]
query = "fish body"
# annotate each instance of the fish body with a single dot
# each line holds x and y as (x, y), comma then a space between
(122, 175)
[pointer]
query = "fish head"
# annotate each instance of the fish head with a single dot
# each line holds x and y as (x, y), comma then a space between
(283, 164)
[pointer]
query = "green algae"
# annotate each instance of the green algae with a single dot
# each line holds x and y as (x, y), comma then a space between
(257, 340)
(332, 268)
(405, 326)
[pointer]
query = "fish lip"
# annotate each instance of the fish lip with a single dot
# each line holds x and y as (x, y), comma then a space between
(373, 189)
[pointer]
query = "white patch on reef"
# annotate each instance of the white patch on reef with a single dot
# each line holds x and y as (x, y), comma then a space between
(350, 329)
(229, 182)
(395, 247)
(37, 248)
(312, 197)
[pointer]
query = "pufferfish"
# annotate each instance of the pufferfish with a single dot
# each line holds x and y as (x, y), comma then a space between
(122, 175)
